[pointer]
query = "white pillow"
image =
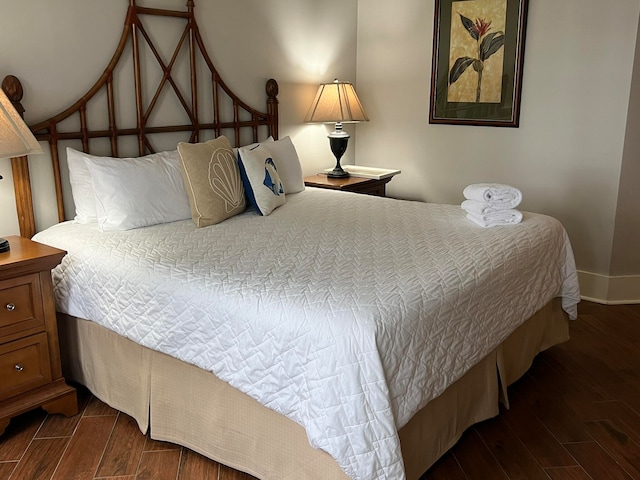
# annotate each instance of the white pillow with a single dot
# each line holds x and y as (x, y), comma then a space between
(136, 192)
(285, 157)
(260, 178)
(251, 145)
(81, 187)
(288, 164)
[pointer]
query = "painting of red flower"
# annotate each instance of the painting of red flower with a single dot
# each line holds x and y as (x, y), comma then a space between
(475, 62)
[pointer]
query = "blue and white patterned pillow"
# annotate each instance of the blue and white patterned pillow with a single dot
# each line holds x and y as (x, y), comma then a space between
(260, 178)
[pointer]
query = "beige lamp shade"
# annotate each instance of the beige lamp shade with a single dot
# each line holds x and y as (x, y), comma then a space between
(16, 139)
(336, 102)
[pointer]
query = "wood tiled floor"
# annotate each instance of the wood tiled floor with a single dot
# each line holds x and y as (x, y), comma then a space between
(575, 415)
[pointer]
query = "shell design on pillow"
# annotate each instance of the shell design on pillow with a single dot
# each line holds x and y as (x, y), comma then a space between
(225, 180)
(271, 178)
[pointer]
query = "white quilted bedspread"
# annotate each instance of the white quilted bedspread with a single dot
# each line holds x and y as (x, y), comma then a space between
(344, 312)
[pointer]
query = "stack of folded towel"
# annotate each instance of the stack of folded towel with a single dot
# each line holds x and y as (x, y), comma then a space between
(490, 204)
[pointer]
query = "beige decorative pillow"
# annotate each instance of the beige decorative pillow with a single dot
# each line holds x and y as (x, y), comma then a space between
(212, 179)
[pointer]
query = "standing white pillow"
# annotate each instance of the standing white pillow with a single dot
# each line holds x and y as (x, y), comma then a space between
(288, 164)
(84, 197)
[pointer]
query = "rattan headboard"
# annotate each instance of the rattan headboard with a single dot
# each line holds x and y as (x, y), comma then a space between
(223, 111)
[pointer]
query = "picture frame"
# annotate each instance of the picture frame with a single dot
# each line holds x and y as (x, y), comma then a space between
(478, 54)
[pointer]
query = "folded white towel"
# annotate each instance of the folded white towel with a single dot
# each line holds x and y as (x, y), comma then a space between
(479, 208)
(496, 195)
(503, 217)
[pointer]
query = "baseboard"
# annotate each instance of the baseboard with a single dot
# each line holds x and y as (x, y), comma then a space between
(624, 289)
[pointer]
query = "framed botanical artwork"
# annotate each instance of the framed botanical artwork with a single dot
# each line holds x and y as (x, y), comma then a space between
(478, 50)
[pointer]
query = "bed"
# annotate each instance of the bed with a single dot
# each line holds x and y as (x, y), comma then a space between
(338, 336)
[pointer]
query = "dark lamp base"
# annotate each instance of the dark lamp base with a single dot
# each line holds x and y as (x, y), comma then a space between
(338, 147)
(335, 173)
(4, 245)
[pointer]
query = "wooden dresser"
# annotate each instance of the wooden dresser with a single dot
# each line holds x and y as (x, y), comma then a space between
(30, 371)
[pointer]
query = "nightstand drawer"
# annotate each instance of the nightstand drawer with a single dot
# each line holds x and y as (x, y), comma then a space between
(24, 365)
(20, 305)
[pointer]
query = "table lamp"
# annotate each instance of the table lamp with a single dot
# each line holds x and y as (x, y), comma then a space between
(16, 140)
(336, 102)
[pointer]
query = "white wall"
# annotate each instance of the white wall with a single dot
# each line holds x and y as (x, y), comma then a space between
(626, 254)
(566, 156)
(59, 49)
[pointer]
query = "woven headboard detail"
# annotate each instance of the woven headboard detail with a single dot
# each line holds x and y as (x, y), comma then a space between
(202, 106)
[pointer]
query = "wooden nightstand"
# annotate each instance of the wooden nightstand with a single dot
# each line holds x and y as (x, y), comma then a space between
(30, 371)
(369, 186)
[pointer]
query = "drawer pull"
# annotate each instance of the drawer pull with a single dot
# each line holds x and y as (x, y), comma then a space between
(19, 367)
(11, 307)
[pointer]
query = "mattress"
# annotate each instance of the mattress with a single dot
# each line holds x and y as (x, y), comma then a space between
(345, 313)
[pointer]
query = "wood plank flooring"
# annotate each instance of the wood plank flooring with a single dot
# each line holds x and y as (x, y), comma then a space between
(575, 415)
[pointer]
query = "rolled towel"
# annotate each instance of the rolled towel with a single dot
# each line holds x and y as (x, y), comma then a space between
(508, 216)
(496, 195)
